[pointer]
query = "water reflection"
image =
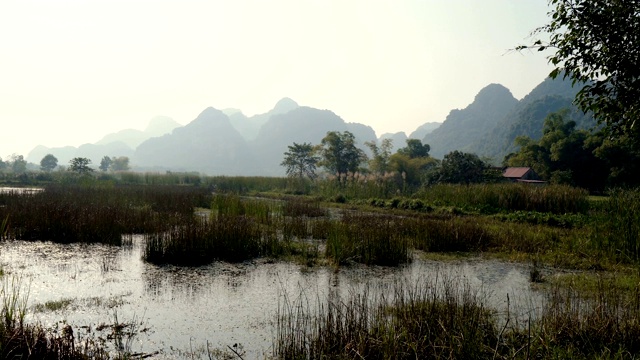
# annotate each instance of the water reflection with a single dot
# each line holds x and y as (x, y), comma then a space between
(221, 304)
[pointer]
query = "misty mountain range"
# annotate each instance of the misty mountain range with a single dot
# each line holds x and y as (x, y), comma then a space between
(227, 142)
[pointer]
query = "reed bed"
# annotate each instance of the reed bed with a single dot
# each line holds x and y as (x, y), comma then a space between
(95, 214)
(601, 323)
(447, 234)
(368, 239)
(622, 229)
(362, 186)
(201, 241)
(242, 185)
(302, 207)
(446, 319)
(491, 198)
(431, 320)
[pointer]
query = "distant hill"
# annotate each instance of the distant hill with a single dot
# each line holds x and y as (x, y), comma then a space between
(209, 144)
(158, 126)
(462, 127)
(527, 118)
(249, 127)
(423, 130)
(121, 143)
(489, 125)
(303, 124)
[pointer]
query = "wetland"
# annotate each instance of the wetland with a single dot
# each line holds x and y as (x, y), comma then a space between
(136, 271)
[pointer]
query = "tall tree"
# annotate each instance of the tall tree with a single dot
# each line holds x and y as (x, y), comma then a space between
(340, 154)
(48, 163)
(379, 163)
(597, 44)
(461, 168)
(120, 163)
(415, 149)
(105, 163)
(18, 164)
(80, 165)
(563, 154)
(300, 161)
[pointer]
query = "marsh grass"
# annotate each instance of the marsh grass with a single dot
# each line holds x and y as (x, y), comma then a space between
(53, 305)
(201, 241)
(297, 207)
(102, 214)
(493, 198)
(600, 323)
(368, 239)
(436, 319)
(445, 319)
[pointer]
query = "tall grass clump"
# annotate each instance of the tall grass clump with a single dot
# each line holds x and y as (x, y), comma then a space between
(361, 186)
(447, 234)
(432, 320)
(245, 184)
(623, 224)
(602, 323)
(301, 207)
(234, 205)
(96, 213)
(202, 241)
(491, 198)
(367, 239)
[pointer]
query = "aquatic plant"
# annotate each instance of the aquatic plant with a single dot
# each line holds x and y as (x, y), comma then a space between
(368, 239)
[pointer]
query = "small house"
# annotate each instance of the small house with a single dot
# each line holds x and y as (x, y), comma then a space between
(522, 174)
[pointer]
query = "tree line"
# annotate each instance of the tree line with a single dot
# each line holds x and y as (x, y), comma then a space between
(16, 164)
(337, 154)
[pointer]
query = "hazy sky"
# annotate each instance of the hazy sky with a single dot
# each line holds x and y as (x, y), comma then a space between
(74, 71)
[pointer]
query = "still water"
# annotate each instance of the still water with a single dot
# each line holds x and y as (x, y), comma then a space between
(180, 310)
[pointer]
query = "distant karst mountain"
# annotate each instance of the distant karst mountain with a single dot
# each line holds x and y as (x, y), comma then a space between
(121, 143)
(527, 118)
(302, 124)
(209, 144)
(249, 127)
(489, 126)
(462, 127)
(158, 126)
(229, 143)
(423, 130)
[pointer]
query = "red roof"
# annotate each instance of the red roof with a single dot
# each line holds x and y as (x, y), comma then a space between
(515, 172)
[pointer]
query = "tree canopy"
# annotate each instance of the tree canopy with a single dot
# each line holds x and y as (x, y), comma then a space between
(48, 162)
(340, 154)
(300, 161)
(597, 44)
(415, 149)
(379, 162)
(563, 154)
(80, 165)
(461, 168)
